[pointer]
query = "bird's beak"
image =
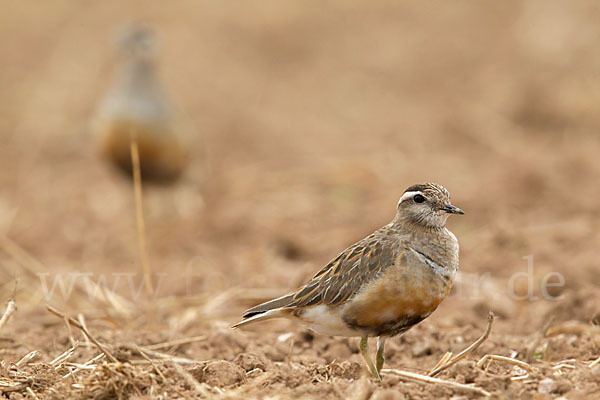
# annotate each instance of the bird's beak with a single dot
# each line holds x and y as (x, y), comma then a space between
(450, 209)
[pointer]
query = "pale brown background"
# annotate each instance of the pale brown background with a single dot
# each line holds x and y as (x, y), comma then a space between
(310, 118)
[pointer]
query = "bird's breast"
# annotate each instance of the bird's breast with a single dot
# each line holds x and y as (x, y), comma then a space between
(403, 295)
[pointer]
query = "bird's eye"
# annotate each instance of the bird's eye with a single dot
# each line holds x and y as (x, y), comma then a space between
(418, 198)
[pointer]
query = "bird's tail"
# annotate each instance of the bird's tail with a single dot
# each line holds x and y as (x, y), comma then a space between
(264, 311)
(259, 317)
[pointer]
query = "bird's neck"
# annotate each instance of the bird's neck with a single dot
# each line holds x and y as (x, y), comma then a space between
(407, 224)
(436, 242)
(138, 72)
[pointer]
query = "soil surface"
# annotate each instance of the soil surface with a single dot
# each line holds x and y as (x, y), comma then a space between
(308, 120)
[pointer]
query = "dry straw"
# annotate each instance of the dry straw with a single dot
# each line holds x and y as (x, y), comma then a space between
(77, 325)
(447, 361)
(414, 377)
(139, 213)
(11, 308)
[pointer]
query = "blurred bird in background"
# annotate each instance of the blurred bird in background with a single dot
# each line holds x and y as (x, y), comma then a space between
(136, 108)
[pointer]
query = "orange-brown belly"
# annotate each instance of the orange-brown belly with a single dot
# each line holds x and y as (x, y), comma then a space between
(400, 298)
(161, 154)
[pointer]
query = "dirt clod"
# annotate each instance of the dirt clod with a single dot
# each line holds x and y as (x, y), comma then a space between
(219, 373)
(251, 361)
(346, 370)
(388, 394)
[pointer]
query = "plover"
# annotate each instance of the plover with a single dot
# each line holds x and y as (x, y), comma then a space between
(384, 284)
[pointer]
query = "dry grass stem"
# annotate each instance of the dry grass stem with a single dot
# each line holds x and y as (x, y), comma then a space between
(560, 366)
(466, 351)
(540, 335)
(174, 343)
(86, 364)
(80, 366)
(77, 325)
(411, 376)
(442, 361)
(69, 331)
(11, 308)
(64, 356)
(162, 362)
(13, 388)
(595, 362)
(558, 372)
(565, 364)
(26, 358)
(32, 394)
(154, 365)
(179, 360)
(81, 320)
(508, 360)
(139, 212)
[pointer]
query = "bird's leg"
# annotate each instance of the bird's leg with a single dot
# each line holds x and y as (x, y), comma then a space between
(380, 358)
(364, 350)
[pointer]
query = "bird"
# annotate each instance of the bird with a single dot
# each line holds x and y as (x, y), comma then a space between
(382, 285)
(137, 108)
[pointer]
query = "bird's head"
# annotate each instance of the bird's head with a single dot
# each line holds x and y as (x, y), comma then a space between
(427, 204)
(136, 41)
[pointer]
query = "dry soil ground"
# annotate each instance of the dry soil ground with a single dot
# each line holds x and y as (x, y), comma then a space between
(312, 118)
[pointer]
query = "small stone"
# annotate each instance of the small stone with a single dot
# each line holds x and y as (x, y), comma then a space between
(562, 386)
(421, 349)
(546, 386)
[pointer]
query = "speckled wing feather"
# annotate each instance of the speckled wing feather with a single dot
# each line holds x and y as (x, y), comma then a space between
(347, 273)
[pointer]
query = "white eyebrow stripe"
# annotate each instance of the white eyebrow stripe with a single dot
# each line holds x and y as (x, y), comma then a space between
(409, 195)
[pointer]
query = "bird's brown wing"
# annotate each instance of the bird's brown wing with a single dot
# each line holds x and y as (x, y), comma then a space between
(344, 276)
